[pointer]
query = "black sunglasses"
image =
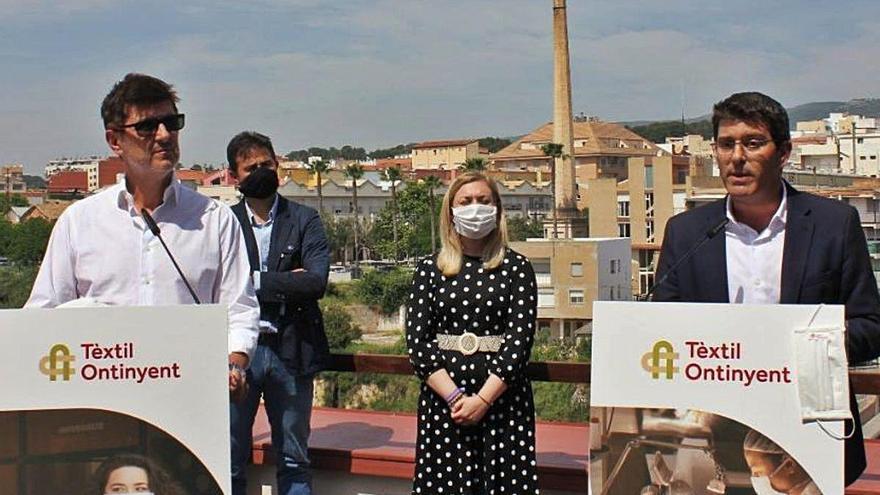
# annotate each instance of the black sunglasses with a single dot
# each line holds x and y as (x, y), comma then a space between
(148, 127)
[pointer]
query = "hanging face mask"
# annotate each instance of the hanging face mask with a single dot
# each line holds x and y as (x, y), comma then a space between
(260, 184)
(762, 486)
(474, 221)
(821, 370)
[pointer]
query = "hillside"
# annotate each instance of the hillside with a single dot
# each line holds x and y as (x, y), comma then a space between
(658, 131)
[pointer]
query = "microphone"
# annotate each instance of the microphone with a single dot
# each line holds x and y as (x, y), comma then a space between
(154, 228)
(688, 255)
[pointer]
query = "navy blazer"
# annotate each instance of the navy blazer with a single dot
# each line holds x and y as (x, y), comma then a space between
(290, 299)
(825, 260)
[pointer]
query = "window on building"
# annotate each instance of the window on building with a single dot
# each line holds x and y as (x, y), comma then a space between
(873, 157)
(861, 157)
(860, 140)
(623, 208)
(623, 230)
(543, 276)
(646, 258)
(649, 230)
(546, 298)
(576, 296)
(649, 201)
(577, 269)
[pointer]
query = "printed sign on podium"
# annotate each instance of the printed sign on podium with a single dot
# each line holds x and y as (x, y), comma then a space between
(91, 391)
(704, 399)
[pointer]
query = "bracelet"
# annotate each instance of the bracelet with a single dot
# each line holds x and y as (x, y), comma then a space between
(455, 393)
(458, 398)
(237, 368)
(484, 400)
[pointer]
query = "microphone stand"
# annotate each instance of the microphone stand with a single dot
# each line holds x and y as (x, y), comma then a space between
(154, 228)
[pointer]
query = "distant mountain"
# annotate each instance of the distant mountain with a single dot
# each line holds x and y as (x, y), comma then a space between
(658, 130)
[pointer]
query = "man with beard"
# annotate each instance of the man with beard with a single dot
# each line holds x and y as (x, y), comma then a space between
(102, 249)
(780, 245)
(290, 261)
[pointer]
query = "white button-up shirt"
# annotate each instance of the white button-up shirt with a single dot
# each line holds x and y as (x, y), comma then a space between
(101, 248)
(754, 259)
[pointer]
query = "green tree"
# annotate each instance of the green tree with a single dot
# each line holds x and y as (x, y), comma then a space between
(521, 228)
(29, 243)
(432, 183)
(493, 144)
(318, 168)
(15, 285)
(354, 172)
(413, 223)
(339, 325)
(339, 232)
(477, 164)
(393, 175)
(386, 291)
(14, 200)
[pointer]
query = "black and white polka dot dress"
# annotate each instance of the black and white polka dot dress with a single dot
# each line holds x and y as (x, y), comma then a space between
(498, 455)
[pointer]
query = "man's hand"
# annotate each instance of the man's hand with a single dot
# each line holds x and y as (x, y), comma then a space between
(238, 387)
(470, 411)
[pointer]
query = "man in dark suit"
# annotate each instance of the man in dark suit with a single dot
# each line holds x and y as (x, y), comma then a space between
(779, 245)
(290, 262)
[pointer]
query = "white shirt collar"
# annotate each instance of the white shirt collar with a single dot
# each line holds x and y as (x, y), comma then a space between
(125, 200)
(777, 222)
(272, 210)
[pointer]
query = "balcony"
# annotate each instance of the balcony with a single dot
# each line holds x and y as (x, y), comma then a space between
(363, 452)
(368, 452)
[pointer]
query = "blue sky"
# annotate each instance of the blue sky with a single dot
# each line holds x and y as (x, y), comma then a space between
(383, 72)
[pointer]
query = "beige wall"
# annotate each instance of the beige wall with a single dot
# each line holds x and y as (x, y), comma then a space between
(601, 199)
(562, 253)
(662, 195)
(637, 212)
(447, 157)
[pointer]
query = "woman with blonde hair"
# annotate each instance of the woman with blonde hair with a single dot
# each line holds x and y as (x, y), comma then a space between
(470, 322)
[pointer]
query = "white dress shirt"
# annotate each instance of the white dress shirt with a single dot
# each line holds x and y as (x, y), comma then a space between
(754, 259)
(100, 248)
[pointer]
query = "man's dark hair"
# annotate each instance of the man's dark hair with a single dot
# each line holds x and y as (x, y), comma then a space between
(138, 90)
(245, 142)
(753, 108)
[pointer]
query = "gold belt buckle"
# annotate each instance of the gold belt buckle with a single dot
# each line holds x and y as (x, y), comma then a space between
(468, 343)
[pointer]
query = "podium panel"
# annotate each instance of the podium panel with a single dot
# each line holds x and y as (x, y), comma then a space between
(706, 399)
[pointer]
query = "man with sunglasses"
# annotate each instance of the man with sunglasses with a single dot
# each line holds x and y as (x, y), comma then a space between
(780, 245)
(102, 249)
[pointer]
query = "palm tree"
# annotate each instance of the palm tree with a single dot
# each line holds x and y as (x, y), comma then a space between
(477, 164)
(554, 151)
(318, 168)
(355, 171)
(432, 182)
(393, 175)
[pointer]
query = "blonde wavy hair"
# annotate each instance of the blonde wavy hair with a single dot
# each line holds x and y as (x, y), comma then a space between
(450, 257)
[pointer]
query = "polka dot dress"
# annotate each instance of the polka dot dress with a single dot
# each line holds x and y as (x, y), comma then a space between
(496, 456)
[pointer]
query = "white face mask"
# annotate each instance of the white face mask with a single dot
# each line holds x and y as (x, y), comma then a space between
(474, 221)
(822, 374)
(762, 486)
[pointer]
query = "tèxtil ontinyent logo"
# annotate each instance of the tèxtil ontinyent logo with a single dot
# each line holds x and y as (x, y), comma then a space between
(660, 359)
(59, 362)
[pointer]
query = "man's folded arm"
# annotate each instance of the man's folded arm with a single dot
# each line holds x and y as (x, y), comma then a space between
(309, 283)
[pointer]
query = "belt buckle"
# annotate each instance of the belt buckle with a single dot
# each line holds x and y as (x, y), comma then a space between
(468, 343)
